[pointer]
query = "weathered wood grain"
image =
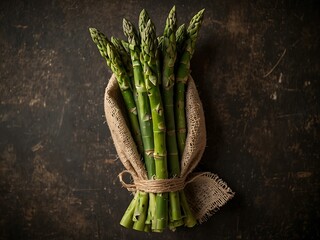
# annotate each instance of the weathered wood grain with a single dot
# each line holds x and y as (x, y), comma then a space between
(257, 70)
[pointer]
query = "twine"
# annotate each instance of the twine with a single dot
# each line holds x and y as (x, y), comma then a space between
(158, 185)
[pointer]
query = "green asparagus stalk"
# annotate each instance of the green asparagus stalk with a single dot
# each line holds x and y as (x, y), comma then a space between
(124, 55)
(168, 45)
(158, 60)
(101, 42)
(149, 53)
(125, 46)
(144, 111)
(144, 106)
(182, 74)
(189, 219)
(160, 40)
(127, 219)
(181, 35)
(113, 60)
(143, 19)
(125, 58)
(140, 212)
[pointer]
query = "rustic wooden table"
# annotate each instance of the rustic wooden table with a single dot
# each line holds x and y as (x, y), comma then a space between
(257, 70)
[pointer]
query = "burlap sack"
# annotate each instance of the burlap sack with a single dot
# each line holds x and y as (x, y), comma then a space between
(207, 191)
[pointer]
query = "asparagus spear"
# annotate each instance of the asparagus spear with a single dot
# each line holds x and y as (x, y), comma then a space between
(140, 212)
(160, 40)
(125, 46)
(168, 45)
(144, 111)
(127, 218)
(124, 55)
(159, 58)
(113, 60)
(143, 19)
(181, 35)
(182, 74)
(149, 54)
(125, 58)
(144, 106)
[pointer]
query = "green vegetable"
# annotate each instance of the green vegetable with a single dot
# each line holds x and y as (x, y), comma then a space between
(149, 58)
(181, 35)
(186, 45)
(169, 53)
(182, 74)
(108, 51)
(144, 111)
(124, 55)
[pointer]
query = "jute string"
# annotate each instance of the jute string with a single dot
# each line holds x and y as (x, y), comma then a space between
(207, 191)
(159, 185)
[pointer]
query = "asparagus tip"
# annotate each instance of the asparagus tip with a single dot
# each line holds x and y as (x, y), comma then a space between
(143, 19)
(124, 21)
(92, 30)
(143, 11)
(125, 26)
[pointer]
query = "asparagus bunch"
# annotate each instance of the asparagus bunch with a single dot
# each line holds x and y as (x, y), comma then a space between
(152, 73)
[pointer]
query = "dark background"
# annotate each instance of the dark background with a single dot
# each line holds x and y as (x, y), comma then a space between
(257, 70)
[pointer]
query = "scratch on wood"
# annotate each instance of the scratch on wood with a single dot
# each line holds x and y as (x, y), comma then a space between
(277, 63)
(110, 161)
(37, 147)
(61, 119)
(86, 189)
(290, 115)
(303, 174)
(20, 26)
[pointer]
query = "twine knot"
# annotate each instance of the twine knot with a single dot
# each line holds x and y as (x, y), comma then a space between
(158, 185)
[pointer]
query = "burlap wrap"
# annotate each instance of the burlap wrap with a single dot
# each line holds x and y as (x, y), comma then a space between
(207, 191)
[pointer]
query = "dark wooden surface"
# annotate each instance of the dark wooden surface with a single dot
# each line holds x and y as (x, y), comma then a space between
(257, 70)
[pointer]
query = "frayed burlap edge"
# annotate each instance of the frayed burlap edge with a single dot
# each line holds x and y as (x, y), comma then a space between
(208, 193)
